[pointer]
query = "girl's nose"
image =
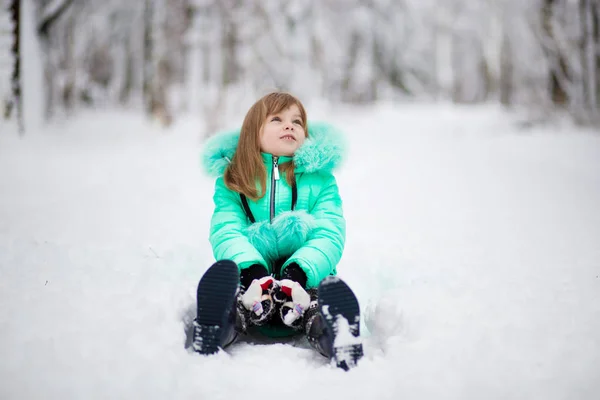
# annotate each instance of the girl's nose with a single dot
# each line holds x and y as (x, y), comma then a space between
(289, 127)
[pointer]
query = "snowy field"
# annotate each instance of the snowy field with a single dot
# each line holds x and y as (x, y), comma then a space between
(473, 246)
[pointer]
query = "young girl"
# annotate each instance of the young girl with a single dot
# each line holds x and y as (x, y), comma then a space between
(278, 232)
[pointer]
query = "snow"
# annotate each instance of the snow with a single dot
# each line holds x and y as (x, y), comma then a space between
(344, 335)
(473, 248)
(345, 345)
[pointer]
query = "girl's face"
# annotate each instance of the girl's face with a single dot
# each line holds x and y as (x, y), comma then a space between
(282, 133)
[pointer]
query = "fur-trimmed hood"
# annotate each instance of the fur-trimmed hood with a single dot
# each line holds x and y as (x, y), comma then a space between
(323, 150)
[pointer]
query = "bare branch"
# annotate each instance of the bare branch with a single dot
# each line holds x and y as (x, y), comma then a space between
(50, 15)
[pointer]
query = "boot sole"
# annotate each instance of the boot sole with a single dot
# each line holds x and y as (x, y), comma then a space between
(216, 296)
(336, 299)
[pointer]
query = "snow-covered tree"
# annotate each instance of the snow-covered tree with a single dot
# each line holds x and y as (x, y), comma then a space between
(215, 57)
(6, 59)
(10, 62)
(569, 38)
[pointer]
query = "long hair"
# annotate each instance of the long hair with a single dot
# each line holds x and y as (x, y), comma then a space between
(247, 168)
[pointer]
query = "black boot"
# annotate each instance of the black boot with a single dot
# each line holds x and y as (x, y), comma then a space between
(337, 313)
(317, 333)
(217, 316)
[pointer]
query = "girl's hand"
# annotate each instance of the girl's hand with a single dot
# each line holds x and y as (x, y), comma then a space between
(294, 298)
(257, 293)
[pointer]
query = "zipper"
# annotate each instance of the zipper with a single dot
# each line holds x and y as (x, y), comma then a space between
(274, 178)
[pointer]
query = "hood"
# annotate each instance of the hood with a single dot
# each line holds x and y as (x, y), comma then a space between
(323, 150)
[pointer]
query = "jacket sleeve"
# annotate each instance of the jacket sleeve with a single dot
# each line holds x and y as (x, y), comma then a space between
(227, 229)
(319, 256)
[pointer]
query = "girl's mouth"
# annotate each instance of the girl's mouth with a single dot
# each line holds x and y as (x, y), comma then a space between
(288, 137)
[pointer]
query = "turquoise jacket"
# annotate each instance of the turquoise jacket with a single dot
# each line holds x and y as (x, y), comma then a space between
(312, 235)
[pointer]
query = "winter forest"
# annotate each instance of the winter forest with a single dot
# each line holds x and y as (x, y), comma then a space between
(168, 57)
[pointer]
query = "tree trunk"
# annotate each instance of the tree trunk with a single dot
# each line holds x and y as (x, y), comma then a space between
(596, 36)
(17, 102)
(558, 73)
(156, 65)
(485, 87)
(50, 14)
(346, 83)
(231, 70)
(457, 82)
(590, 54)
(68, 91)
(147, 63)
(506, 72)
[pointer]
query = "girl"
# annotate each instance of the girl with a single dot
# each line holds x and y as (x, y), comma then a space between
(278, 232)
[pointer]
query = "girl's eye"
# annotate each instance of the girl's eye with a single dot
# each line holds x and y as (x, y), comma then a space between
(298, 122)
(276, 119)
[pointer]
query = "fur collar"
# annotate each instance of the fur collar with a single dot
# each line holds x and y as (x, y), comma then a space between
(322, 151)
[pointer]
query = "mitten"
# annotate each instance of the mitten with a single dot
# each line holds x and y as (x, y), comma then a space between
(257, 299)
(296, 301)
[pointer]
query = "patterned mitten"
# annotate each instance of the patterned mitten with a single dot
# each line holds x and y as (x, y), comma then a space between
(295, 300)
(257, 299)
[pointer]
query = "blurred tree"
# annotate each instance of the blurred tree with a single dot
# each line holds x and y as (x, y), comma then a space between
(51, 24)
(558, 72)
(6, 60)
(16, 75)
(472, 80)
(165, 25)
(506, 74)
(216, 56)
(571, 45)
(590, 50)
(392, 35)
(10, 65)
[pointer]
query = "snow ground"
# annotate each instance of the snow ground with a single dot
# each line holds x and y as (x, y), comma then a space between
(473, 246)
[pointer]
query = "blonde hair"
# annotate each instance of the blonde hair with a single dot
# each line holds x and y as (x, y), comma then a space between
(247, 167)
